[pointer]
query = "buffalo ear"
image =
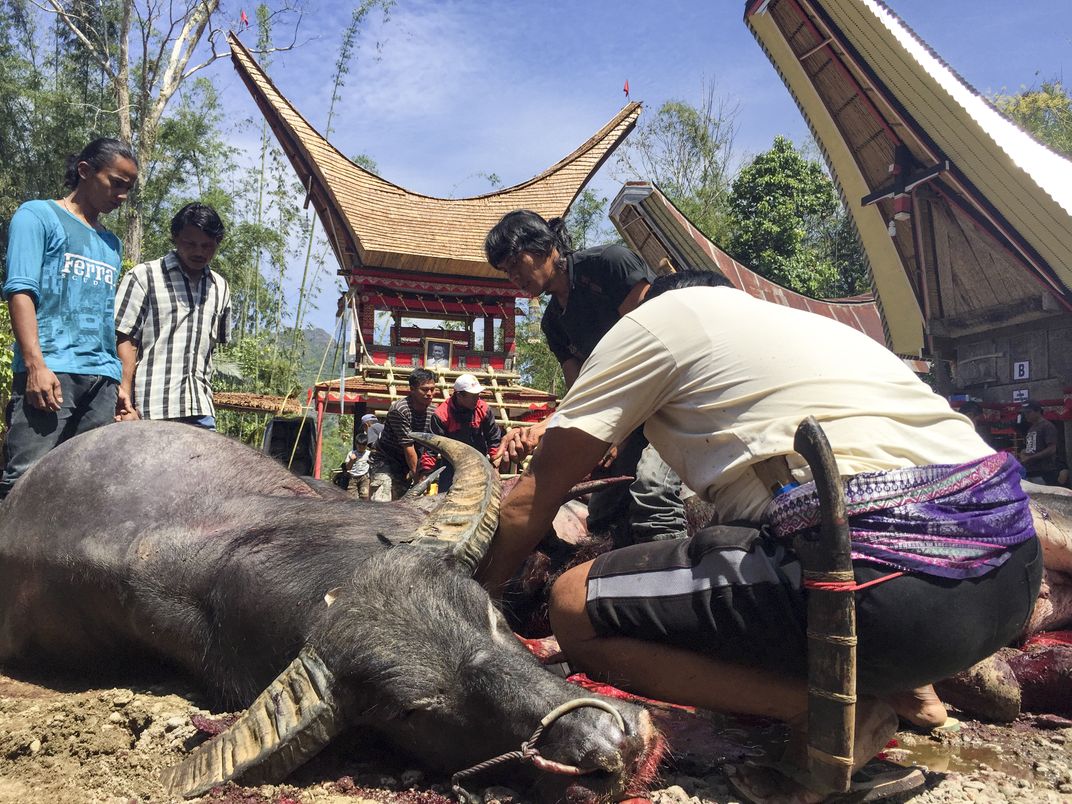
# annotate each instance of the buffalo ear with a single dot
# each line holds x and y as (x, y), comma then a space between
(332, 594)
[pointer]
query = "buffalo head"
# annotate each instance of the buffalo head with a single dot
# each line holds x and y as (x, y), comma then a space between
(412, 649)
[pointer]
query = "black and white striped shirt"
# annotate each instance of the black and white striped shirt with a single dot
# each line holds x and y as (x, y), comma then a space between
(401, 421)
(175, 324)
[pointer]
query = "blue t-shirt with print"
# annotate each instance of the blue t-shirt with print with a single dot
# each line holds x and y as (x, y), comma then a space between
(71, 270)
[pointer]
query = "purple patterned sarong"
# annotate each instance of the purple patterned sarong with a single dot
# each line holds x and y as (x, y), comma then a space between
(945, 520)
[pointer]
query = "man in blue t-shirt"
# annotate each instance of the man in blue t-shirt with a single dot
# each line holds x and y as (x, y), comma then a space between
(62, 270)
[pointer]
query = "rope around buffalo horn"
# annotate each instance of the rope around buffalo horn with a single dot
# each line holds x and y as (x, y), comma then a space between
(528, 751)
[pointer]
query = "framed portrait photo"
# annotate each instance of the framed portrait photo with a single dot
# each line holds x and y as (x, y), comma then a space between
(437, 353)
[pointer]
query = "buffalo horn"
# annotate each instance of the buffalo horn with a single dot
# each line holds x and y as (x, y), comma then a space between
(288, 723)
(466, 520)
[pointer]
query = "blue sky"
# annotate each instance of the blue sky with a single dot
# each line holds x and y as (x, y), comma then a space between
(460, 88)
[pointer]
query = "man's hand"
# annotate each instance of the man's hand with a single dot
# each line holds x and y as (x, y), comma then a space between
(43, 389)
(528, 511)
(124, 407)
(519, 443)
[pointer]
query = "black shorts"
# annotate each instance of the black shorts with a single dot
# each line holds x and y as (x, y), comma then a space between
(735, 593)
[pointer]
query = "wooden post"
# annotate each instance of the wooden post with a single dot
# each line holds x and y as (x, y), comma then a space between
(508, 330)
(320, 401)
(831, 621)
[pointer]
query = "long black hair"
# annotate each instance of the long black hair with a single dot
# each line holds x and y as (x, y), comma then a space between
(688, 278)
(524, 230)
(99, 153)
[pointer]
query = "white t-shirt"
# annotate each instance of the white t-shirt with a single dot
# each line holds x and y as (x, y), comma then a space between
(721, 380)
(360, 465)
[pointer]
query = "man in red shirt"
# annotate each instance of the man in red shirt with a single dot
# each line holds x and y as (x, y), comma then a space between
(464, 417)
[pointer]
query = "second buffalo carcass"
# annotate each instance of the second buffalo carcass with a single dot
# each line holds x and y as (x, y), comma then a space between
(152, 540)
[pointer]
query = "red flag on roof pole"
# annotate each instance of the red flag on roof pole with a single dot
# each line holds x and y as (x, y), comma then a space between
(625, 89)
(245, 19)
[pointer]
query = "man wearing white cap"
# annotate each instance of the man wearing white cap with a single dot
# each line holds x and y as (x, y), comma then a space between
(467, 418)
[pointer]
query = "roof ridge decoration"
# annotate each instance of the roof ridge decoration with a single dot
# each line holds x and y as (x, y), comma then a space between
(375, 223)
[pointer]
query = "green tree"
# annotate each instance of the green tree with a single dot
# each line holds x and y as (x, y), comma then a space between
(788, 224)
(687, 151)
(585, 219)
(144, 52)
(535, 363)
(1045, 112)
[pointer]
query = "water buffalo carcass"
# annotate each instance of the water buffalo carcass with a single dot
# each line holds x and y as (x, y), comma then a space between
(159, 540)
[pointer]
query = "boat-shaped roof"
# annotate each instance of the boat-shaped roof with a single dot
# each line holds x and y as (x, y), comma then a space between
(371, 222)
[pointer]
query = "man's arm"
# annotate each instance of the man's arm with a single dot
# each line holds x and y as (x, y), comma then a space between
(635, 297)
(349, 460)
(520, 442)
(571, 367)
(564, 457)
(42, 386)
(400, 424)
(1043, 456)
(131, 307)
(435, 427)
(224, 334)
(128, 356)
(491, 431)
(26, 246)
(412, 461)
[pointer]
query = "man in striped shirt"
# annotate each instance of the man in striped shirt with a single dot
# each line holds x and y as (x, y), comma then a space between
(170, 314)
(396, 461)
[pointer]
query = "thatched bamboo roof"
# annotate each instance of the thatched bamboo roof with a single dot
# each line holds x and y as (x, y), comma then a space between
(988, 242)
(372, 222)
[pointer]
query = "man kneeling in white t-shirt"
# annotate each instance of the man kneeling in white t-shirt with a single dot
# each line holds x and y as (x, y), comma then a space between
(720, 381)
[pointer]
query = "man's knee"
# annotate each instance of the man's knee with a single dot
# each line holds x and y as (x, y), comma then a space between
(569, 617)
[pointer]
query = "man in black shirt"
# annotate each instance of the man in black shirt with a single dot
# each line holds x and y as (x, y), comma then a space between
(1039, 455)
(395, 463)
(603, 283)
(590, 291)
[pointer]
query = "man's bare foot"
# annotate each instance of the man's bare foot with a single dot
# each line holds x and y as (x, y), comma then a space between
(921, 707)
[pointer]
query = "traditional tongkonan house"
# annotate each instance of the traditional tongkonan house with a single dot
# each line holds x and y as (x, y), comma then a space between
(421, 260)
(966, 219)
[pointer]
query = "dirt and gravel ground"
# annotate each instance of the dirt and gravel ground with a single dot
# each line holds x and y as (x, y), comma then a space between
(63, 745)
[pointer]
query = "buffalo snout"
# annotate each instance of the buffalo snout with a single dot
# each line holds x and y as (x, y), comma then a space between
(613, 762)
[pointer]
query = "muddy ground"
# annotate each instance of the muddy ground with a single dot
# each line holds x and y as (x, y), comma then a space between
(63, 745)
